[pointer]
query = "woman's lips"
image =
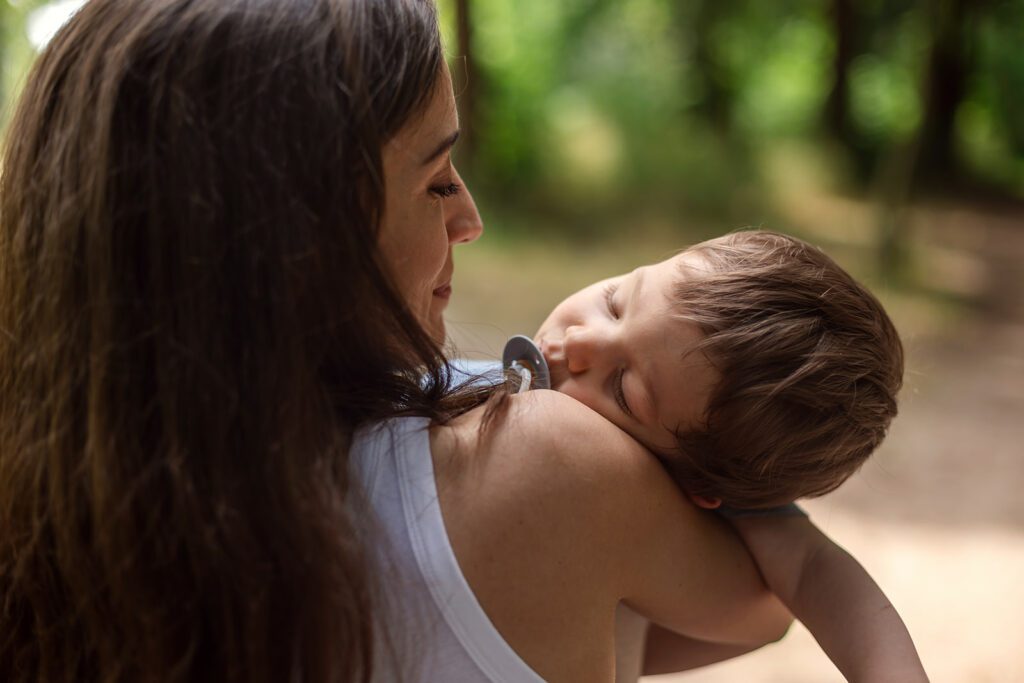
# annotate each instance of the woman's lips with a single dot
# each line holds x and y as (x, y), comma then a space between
(444, 291)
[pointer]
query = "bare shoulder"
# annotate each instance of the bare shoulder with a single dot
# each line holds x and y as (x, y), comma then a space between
(547, 443)
(552, 472)
(536, 508)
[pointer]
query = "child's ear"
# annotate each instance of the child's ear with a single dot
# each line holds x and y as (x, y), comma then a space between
(705, 502)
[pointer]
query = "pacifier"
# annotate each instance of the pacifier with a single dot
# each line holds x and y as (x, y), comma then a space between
(522, 357)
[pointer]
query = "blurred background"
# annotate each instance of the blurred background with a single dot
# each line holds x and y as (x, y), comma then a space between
(603, 134)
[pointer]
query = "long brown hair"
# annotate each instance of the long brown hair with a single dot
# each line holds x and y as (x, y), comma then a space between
(193, 320)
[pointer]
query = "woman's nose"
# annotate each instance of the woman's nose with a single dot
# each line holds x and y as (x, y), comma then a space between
(461, 217)
(586, 348)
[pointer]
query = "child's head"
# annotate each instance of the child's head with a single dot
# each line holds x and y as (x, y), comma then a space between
(809, 364)
(753, 364)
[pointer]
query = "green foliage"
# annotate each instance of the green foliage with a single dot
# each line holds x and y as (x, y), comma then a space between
(783, 85)
(596, 112)
(586, 105)
(991, 122)
(16, 52)
(886, 79)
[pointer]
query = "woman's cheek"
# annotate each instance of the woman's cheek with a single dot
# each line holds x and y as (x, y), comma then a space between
(434, 241)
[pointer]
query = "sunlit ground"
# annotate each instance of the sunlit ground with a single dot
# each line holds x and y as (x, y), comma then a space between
(936, 517)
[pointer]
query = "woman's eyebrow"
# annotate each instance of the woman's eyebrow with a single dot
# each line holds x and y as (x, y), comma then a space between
(445, 145)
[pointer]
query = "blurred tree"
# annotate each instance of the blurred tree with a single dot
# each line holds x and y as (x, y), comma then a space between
(9, 26)
(1001, 76)
(929, 161)
(716, 86)
(588, 111)
(15, 51)
(872, 104)
(948, 68)
(989, 132)
(470, 86)
(846, 32)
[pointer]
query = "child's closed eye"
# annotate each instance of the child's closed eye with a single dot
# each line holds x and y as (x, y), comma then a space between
(609, 297)
(620, 395)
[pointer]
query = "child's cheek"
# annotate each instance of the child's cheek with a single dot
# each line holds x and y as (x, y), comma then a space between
(593, 400)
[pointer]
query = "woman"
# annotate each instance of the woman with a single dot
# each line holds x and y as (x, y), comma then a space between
(225, 254)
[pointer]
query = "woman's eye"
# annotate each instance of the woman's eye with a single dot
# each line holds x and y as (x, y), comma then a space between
(447, 190)
(620, 396)
(609, 297)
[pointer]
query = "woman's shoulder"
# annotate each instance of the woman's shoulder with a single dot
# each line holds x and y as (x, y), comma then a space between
(547, 436)
(550, 463)
(535, 505)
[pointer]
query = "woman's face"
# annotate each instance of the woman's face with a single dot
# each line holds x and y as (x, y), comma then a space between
(427, 209)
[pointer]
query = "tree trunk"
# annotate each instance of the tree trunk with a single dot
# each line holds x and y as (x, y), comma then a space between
(717, 104)
(469, 87)
(837, 106)
(948, 68)
(929, 159)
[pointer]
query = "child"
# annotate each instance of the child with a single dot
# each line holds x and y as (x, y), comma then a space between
(759, 372)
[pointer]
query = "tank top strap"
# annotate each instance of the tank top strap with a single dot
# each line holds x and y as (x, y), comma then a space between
(398, 451)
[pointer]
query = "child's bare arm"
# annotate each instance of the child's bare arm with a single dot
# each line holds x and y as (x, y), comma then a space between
(834, 597)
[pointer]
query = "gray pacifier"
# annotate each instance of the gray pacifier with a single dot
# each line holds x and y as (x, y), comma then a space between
(522, 357)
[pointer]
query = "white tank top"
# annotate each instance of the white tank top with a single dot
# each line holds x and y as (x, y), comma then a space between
(429, 627)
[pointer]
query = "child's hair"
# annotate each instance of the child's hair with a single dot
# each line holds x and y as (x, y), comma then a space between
(810, 367)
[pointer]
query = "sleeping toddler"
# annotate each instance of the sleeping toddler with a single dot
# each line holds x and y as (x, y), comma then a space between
(759, 372)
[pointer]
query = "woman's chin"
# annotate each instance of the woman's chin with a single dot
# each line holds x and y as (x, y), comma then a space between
(435, 328)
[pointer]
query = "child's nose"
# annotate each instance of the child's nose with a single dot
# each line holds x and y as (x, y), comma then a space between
(585, 348)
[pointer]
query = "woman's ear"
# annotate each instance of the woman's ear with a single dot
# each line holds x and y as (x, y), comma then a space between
(704, 501)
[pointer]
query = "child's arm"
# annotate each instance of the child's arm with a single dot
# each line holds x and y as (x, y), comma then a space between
(834, 597)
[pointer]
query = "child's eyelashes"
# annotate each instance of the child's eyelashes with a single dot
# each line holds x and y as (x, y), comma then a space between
(609, 297)
(446, 190)
(620, 396)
